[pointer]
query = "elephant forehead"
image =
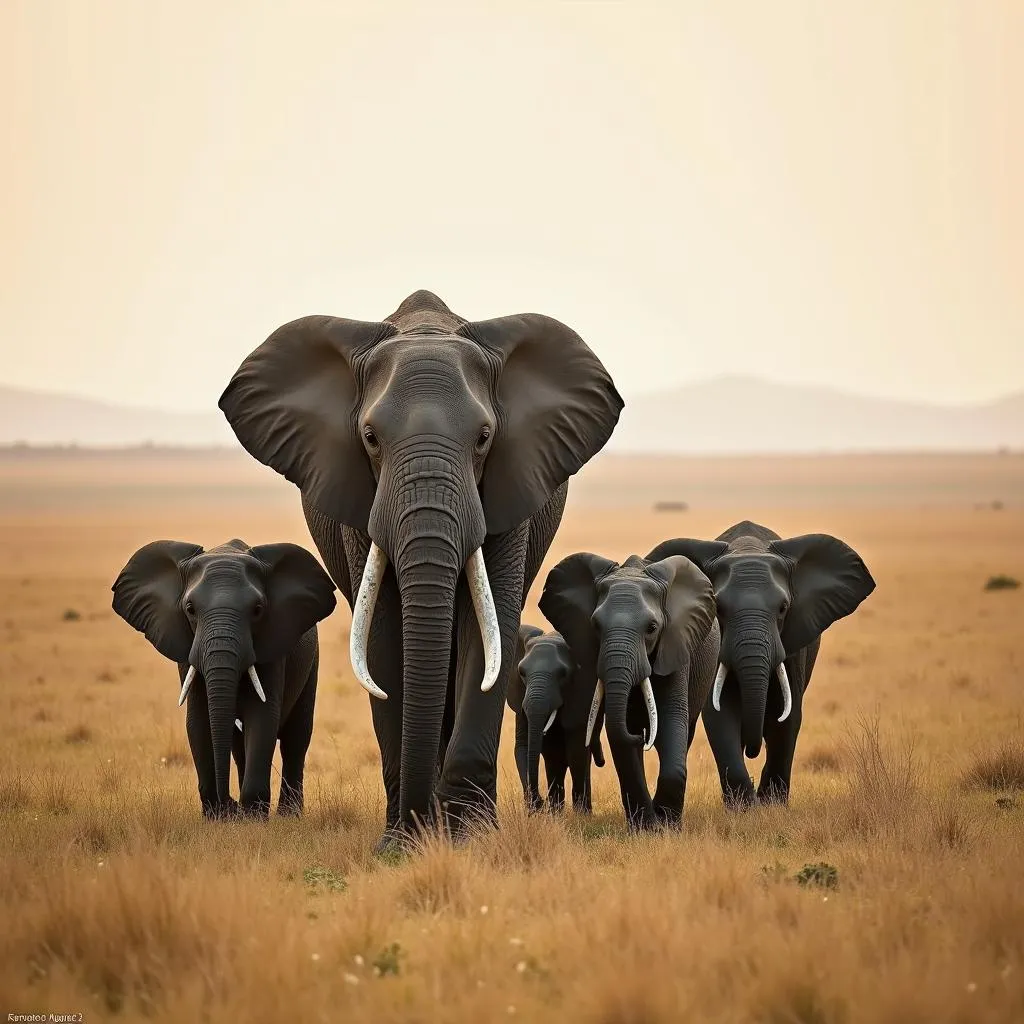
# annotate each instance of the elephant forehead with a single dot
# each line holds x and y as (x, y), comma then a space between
(628, 589)
(224, 564)
(451, 357)
(750, 570)
(546, 651)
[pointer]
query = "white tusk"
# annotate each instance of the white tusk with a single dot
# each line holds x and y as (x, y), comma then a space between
(716, 697)
(238, 724)
(190, 676)
(256, 684)
(652, 711)
(486, 616)
(787, 694)
(362, 616)
(594, 708)
(551, 721)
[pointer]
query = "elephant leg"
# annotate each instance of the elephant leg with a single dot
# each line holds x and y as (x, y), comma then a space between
(555, 766)
(671, 745)
(262, 723)
(522, 765)
(723, 731)
(384, 655)
(295, 737)
(200, 741)
(469, 781)
(578, 756)
(780, 738)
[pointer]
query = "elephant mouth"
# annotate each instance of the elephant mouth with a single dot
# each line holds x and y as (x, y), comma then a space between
(366, 600)
(781, 675)
(190, 678)
(652, 712)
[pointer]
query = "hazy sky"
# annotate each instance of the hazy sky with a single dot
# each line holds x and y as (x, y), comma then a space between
(817, 192)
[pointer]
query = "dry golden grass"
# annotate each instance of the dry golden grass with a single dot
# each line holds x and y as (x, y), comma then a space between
(119, 901)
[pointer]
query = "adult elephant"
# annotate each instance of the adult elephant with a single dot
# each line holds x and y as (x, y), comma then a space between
(774, 599)
(433, 455)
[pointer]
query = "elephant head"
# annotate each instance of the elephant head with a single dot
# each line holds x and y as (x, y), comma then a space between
(541, 689)
(425, 432)
(626, 622)
(771, 604)
(222, 612)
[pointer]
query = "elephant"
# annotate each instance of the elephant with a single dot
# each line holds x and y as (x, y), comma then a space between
(551, 702)
(775, 598)
(241, 623)
(645, 633)
(432, 454)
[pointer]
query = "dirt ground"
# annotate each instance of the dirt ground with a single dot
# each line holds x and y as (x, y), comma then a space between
(888, 891)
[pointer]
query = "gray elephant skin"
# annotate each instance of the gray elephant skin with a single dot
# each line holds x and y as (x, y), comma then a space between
(551, 701)
(775, 598)
(432, 454)
(240, 622)
(645, 633)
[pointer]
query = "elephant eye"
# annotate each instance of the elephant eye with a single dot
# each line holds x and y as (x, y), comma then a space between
(784, 607)
(652, 628)
(485, 436)
(370, 437)
(258, 609)
(189, 608)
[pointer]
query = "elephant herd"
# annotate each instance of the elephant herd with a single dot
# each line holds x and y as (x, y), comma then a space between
(433, 455)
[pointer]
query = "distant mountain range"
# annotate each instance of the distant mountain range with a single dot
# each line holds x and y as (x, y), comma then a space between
(748, 414)
(41, 418)
(722, 415)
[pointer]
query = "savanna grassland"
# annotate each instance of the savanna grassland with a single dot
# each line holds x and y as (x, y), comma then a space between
(889, 891)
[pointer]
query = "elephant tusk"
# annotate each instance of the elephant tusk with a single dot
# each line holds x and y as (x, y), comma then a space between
(190, 677)
(594, 708)
(238, 724)
(787, 693)
(362, 616)
(716, 696)
(486, 616)
(256, 684)
(652, 711)
(551, 721)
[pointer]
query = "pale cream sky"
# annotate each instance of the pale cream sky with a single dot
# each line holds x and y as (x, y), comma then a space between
(815, 192)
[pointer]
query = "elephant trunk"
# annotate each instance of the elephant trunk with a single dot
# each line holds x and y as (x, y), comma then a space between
(621, 666)
(752, 658)
(223, 650)
(539, 706)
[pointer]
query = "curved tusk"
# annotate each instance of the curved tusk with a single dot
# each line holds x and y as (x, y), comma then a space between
(787, 693)
(652, 711)
(238, 724)
(716, 697)
(362, 616)
(594, 708)
(256, 684)
(551, 721)
(486, 616)
(190, 677)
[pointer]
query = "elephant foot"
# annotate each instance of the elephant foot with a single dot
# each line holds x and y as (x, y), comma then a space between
(289, 808)
(775, 794)
(468, 816)
(214, 810)
(256, 810)
(739, 798)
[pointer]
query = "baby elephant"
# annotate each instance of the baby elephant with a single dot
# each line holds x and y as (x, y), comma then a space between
(551, 702)
(775, 598)
(645, 633)
(241, 624)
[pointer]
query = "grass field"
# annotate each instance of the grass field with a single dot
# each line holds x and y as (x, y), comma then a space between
(889, 891)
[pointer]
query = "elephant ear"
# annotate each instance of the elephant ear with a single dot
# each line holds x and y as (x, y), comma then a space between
(148, 592)
(569, 599)
(689, 612)
(556, 406)
(828, 580)
(293, 406)
(516, 686)
(299, 594)
(701, 552)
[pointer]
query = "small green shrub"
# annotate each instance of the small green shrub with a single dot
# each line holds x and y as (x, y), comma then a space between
(822, 875)
(1002, 582)
(70, 615)
(388, 960)
(320, 879)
